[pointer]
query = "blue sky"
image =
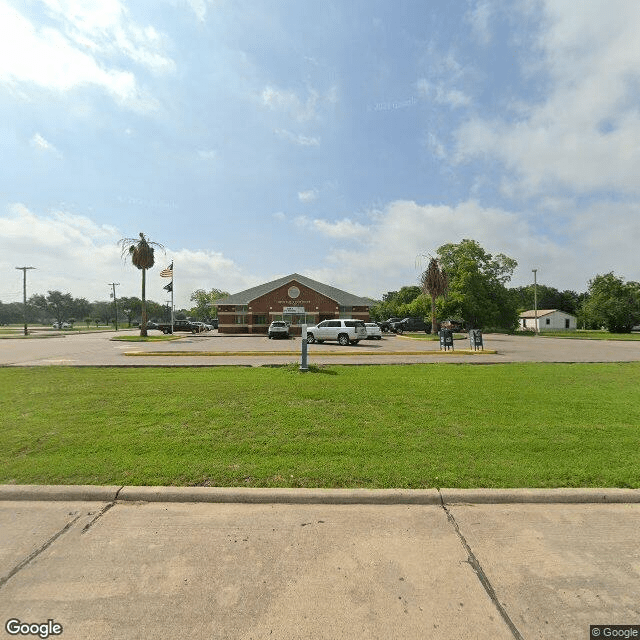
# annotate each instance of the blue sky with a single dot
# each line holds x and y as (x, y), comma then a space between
(337, 139)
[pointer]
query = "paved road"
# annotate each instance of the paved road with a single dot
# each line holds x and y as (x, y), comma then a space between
(97, 349)
(248, 571)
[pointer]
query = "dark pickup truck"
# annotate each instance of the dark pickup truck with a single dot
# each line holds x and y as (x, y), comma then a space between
(180, 325)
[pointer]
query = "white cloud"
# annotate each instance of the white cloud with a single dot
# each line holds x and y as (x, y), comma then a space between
(201, 7)
(207, 154)
(585, 135)
(480, 17)
(290, 103)
(344, 229)
(599, 239)
(38, 142)
(73, 254)
(441, 94)
(78, 53)
(299, 139)
(308, 196)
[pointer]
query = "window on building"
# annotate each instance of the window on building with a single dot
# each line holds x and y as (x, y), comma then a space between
(260, 319)
(241, 319)
(548, 320)
(566, 323)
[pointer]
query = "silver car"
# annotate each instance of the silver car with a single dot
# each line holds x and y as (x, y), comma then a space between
(349, 331)
(373, 331)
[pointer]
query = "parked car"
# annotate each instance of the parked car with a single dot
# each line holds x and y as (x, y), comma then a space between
(410, 324)
(452, 325)
(373, 331)
(64, 325)
(278, 329)
(180, 325)
(385, 325)
(345, 331)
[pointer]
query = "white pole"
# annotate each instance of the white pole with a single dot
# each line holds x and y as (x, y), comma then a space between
(173, 264)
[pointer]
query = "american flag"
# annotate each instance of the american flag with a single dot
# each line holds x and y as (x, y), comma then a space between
(168, 272)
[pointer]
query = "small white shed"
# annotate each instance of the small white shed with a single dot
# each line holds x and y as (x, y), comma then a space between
(548, 320)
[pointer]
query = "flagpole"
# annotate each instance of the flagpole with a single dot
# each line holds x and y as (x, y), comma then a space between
(172, 266)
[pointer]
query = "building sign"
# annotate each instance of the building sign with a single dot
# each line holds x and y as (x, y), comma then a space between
(293, 310)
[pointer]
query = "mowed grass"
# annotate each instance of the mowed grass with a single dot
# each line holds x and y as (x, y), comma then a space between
(591, 335)
(436, 425)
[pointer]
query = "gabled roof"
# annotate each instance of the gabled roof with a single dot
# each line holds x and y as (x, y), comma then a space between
(542, 312)
(343, 298)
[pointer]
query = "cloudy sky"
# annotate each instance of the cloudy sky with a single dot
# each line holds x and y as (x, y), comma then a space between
(339, 139)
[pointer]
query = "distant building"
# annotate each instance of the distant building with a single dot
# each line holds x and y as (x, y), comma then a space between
(548, 320)
(295, 299)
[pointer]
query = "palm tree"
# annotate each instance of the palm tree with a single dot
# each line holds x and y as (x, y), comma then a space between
(141, 253)
(434, 282)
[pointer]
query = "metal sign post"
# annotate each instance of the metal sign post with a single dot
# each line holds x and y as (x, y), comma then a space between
(304, 366)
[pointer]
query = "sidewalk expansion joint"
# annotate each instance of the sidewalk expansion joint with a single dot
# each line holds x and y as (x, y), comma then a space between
(102, 511)
(32, 556)
(481, 575)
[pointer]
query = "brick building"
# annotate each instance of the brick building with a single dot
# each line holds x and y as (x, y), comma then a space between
(296, 299)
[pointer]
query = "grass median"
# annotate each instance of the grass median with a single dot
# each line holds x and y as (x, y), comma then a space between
(434, 425)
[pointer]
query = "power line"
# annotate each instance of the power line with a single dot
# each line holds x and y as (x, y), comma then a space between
(24, 295)
(115, 302)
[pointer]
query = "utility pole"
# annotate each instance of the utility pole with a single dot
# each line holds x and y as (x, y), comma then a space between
(535, 298)
(24, 291)
(115, 302)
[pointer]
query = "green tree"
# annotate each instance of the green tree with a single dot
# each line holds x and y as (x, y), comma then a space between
(130, 307)
(60, 305)
(204, 300)
(548, 298)
(395, 303)
(477, 289)
(612, 303)
(435, 282)
(141, 253)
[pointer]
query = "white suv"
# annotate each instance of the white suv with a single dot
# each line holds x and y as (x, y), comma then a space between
(344, 331)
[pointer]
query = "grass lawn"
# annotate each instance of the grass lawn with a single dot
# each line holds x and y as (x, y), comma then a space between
(434, 425)
(590, 335)
(139, 338)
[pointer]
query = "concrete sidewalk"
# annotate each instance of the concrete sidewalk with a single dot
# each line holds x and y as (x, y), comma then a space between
(319, 563)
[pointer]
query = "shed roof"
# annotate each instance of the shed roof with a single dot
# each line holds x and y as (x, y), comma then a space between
(343, 298)
(542, 312)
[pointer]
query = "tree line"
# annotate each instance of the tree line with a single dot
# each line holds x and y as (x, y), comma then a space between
(464, 282)
(60, 307)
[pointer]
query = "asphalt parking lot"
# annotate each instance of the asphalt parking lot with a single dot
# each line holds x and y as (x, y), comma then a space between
(214, 349)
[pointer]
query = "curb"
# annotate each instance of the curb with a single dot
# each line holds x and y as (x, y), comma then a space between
(254, 354)
(243, 495)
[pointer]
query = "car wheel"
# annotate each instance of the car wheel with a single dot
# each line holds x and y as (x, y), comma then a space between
(269, 336)
(310, 337)
(399, 331)
(378, 337)
(343, 339)
(165, 331)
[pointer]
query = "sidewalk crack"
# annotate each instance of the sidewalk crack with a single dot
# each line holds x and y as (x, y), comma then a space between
(481, 575)
(32, 556)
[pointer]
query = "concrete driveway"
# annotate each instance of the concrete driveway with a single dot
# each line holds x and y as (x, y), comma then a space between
(211, 349)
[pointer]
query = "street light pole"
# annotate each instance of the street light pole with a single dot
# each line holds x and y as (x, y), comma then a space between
(535, 298)
(24, 295)
(115, 302)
